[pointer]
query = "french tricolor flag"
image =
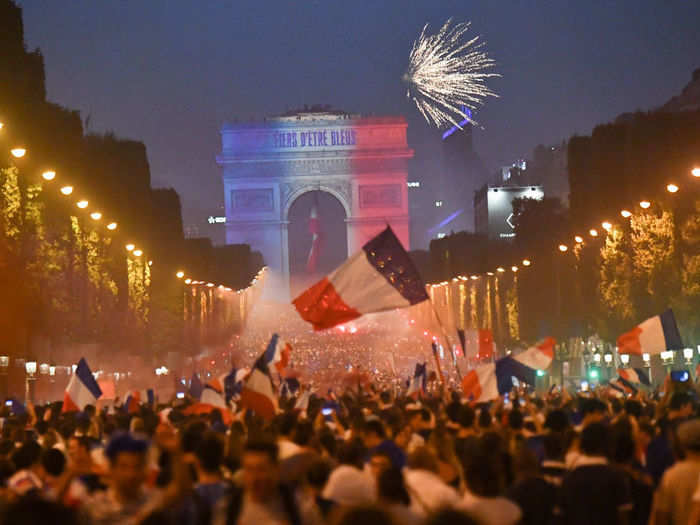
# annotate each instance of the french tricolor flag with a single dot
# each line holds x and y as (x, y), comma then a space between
(653, 336)
(136, 397)
(417, 385)
(82, 389)
(277, 353)
(258, 393)
(379, 277)
(539, 356)
(635, 376)
(480, 384)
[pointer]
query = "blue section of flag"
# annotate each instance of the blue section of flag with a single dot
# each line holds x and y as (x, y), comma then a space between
(670, 328)
(507, 368)
(86, 378)
(627, 383)
(389, 258)
(643, 377)
(269, 354)
(231, 388)
(196, 387)
(150, 396)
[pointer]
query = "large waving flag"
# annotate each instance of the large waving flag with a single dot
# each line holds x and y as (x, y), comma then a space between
(82, 389)
(379, 277)
(258, 393)
(477, 343)
(418, 381)
(538, 357)
(277, 353)
(315, 231)
(653, 336)
(480, 384)
(634, 375)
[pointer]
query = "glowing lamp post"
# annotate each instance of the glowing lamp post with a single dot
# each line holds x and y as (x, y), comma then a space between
(30, 369)
(688, 354)
(625, 359)
(4, 366)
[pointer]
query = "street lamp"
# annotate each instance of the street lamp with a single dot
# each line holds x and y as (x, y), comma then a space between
(608, 358)
(514, 268)
(49, 175)
(596, 358)
(180, 274)
(67, 190)
(645, 204)
(688, 354)
(695, 172)
(672, 188)
(30, 369)
(578, 239)
(138, 253)
(18, 152)
(82, 204)
(188, 280)
(626, 214)
(563, 248)
(500, 269)
(625, 359)
(593, 232)
(4, 365)
(112, 226)
(607, 226)
(667, 357)
(526, 262)
(130, 247)
(95, 215)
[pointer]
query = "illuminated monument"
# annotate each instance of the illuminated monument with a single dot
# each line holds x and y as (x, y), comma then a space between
(268, 166)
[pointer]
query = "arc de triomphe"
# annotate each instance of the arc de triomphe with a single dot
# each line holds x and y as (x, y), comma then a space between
(361, 161)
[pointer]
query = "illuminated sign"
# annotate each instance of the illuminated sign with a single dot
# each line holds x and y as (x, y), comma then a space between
(314, 139)
(501, 219)
(216, 220)
(413, 184)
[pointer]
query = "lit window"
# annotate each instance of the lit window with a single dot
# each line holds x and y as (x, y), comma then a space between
(438, 204)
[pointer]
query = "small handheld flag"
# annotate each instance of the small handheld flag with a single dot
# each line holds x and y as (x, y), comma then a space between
(82, 389)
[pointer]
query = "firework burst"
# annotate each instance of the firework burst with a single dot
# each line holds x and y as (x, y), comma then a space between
(447, 74)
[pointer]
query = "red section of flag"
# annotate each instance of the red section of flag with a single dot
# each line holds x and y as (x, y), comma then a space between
(486, 349)
(321, 306)
(315, 231)
(258, 402)
(471, 386)
(284, 359)
(68, 405)
(628, 343)
(547, 347)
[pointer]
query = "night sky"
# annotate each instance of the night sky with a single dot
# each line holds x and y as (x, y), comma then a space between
(169, 72)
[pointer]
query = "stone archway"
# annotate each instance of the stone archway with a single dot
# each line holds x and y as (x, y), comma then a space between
(333, 246)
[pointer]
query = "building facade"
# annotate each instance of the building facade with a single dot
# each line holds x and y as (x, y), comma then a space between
(267, 166)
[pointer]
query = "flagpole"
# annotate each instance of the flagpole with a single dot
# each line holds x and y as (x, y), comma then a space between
(447, 339)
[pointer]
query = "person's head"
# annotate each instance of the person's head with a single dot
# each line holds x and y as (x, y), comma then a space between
(633, 408)
(317, 474)
(374, 433)
(385, 397)
(423, 459)
(379, 462)
(391, 488)
(79, 451)
(556, 421)
(127, 464)
(352, 453)
(689, 436)
(27, 456)
(210, 453)
(303, 433)
(623, 442)
(515, 420)
(484, 419)
(595, 440)
(553, 443)
(593, 411)
(53, 462)
(260, 469)
(192, 435)
(680, 405)
(466, 417)
(286, 423)
(484, 476)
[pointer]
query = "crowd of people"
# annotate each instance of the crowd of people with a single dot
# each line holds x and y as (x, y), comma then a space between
(368, 454)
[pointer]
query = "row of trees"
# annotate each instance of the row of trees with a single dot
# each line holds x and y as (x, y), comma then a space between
(608, 283)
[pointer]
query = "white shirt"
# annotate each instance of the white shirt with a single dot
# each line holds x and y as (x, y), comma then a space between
(499, 511)
(428, 491)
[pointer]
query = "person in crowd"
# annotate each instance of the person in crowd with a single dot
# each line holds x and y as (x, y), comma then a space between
(393, 496)
(426, 488)
(348, 484)
(674, 496)
(262, 498)
(594, 491)
(532, 492)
